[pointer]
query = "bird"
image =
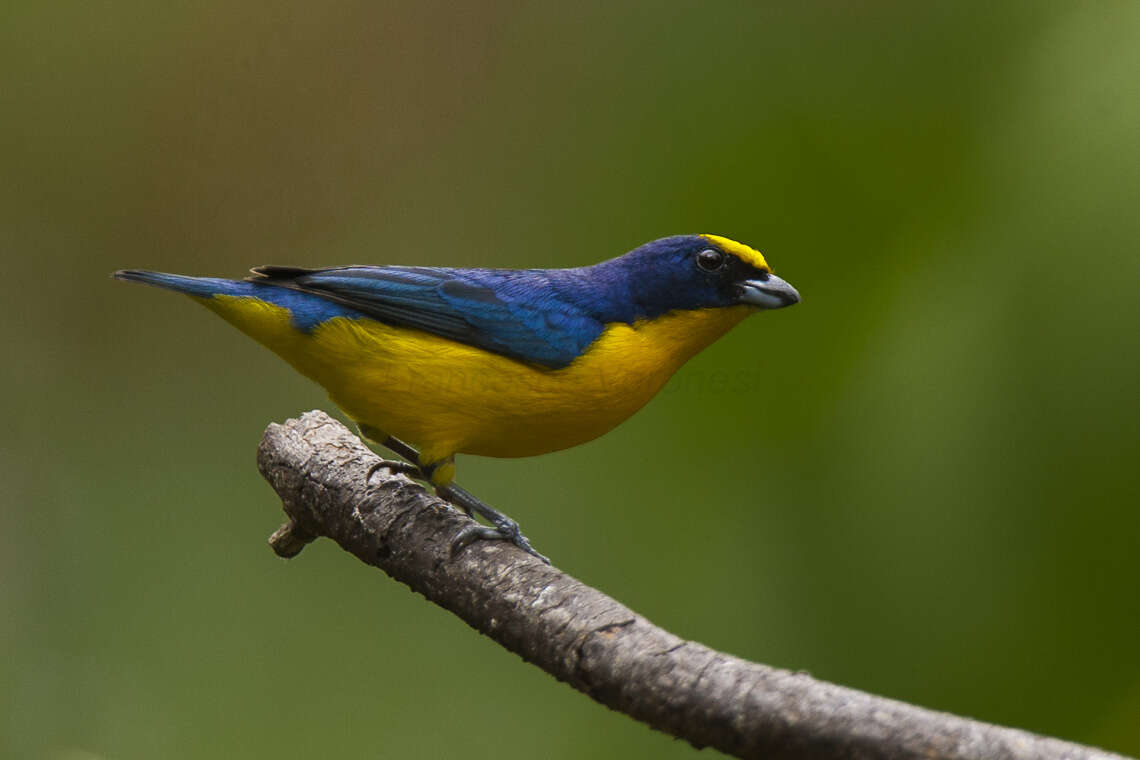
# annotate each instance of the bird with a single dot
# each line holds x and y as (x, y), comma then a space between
(430, 362)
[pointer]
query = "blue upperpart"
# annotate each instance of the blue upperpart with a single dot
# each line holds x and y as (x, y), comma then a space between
(544, 316)
(307, 310)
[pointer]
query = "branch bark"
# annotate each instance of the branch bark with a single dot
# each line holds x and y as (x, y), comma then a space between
(583, 637)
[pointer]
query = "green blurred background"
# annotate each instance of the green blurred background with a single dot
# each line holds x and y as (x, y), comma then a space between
(921, 482)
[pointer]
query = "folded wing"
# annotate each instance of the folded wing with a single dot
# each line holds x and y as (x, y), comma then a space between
(517, 314)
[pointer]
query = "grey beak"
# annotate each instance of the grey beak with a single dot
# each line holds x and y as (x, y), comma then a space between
(769, 293)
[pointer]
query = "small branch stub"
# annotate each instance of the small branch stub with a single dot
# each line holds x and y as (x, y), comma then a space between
(288, 540)
(592, 642)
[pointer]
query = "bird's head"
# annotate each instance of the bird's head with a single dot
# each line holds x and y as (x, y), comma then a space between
(700, 272)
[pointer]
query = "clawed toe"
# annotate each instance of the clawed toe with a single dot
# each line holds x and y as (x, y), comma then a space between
(504, 528)
(396, 466)
(472, 533)
(509, 532)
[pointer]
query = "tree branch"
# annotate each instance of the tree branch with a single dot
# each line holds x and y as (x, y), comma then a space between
(583, 637)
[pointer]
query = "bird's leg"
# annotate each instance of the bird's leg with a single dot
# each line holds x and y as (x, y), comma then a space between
(410, 468)
(505, 529)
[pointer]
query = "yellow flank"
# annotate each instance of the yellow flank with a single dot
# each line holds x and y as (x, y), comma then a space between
(446, 397)
(740, 250)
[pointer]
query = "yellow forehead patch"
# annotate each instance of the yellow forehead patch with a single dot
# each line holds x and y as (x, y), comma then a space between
(739, 250)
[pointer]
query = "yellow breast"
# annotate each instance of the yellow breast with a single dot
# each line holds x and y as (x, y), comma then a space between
(448, 398)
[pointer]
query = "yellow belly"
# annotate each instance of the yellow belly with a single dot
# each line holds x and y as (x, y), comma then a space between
(446, 397)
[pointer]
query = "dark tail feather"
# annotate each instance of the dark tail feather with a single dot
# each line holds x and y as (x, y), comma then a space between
(195, 286)
(272, 273)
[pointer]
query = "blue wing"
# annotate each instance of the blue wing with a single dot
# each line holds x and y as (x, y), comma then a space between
(515, 313)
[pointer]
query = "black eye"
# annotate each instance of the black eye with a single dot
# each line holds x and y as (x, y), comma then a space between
(710, 260)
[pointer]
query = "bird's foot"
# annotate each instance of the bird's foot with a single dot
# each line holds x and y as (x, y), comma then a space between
(400, 467)
(396, 466)
(502, 528)
(508, 532)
